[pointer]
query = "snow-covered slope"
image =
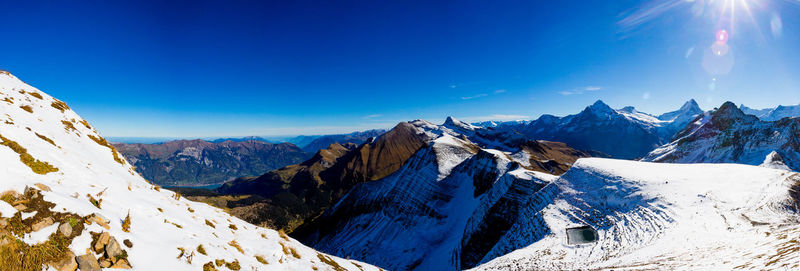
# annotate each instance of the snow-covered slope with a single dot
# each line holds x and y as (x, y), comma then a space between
(47, 146)
(728, 135)
(652, 216)
(446, 208)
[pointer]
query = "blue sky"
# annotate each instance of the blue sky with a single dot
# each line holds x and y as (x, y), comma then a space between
(236, 68)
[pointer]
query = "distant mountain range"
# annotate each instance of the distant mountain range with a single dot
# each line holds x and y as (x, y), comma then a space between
(622, 133)
(728, 135)
(322, 142)
(202, 163)
(773, 114)
(199, 162)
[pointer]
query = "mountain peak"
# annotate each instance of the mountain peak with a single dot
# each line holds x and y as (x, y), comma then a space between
(599, 108)
(454, 123)
(691, 104)
(729, 110)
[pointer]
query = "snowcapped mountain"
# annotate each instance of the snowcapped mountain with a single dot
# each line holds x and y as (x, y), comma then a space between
(67, 192)
(447, 206)
(649, 216)
(773, 114)
(728, 135)
(624, 133)
(493, 124)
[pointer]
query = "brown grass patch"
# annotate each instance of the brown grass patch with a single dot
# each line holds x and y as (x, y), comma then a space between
(102, 142)
(27, 108)
(61, 106)
(37, 166)
(46, 139)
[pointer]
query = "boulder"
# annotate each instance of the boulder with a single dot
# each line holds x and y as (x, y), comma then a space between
(67, 264)
(65, 229)
(87, 263)
(127, 243)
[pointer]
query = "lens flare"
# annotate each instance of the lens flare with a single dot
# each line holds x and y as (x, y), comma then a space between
(722, 36)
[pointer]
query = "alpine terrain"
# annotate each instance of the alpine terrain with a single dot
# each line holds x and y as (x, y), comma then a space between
(622, 133)
(445, 208)
(69, 199)
(728, 135)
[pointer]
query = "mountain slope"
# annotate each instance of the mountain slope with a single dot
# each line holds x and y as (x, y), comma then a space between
(62, 183)
(446, 207)
(623, 133)
(199, 162)
(651, 216)
(728, 135)
(287, 197)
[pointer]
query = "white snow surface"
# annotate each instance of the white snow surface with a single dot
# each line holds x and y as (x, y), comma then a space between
(85, 167)
(666, 217)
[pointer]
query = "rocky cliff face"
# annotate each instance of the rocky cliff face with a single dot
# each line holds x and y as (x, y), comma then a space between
(287, 197)
(728, 135)
(199, 162)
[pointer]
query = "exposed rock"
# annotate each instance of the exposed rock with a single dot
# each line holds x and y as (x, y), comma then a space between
(100, 220)
(113, 249)
(43, 187)
(65, 229)
(101, 242)
(68, 264)
(47, 221)
(122, 264)
(20, 207)
(105, 263)
(87, 263)
(127, 243)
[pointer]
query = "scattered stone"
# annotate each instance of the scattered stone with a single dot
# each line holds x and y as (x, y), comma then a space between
(43, 223)
(43, 187)
(127, 243)
(100, 244)
(105, 263)
(20, 207)
(65, 229)
(68, 264)
(87, 263)
(113, 249)
(100, 220)
(3, 222)
(122, 264)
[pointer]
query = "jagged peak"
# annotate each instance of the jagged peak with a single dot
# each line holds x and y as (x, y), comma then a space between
(690, 105)
(728, 110)
(629, 109)
(599, 108)
(454, 123)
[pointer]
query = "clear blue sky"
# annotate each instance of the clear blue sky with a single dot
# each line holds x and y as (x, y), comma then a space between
(237, 68)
